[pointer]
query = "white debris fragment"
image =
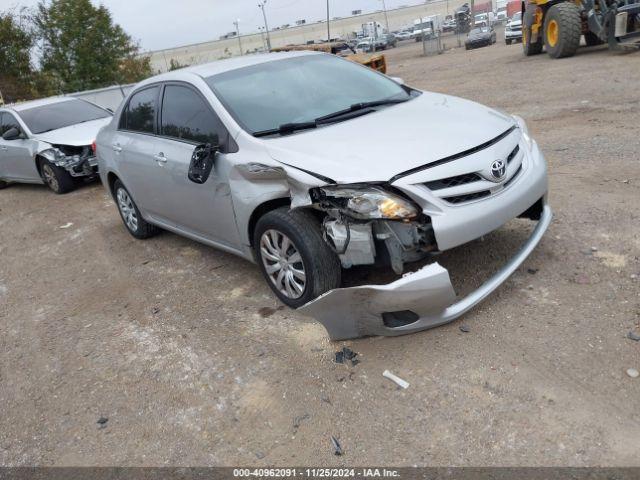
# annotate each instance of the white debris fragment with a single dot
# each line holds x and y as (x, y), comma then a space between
(633, 373)
(402, 383)
(66, 225)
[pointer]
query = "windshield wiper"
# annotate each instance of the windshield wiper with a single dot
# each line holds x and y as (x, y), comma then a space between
(354, 110)
(361, 106)
(286, 129)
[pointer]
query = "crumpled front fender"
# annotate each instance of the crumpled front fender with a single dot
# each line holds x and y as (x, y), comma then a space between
(427, 294)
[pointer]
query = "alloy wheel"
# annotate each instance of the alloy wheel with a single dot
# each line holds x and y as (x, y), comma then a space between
(50, 177)
(127, 209)
(283, 263)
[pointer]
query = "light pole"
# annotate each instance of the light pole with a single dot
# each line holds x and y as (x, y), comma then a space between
(237, 24)
(266, 26)
(386, 17)
(328, 24)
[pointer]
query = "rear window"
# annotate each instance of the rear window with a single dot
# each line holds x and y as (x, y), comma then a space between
(140, 113)
(60, 115)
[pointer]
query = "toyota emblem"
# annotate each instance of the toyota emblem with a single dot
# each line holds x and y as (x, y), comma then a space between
(499, 169)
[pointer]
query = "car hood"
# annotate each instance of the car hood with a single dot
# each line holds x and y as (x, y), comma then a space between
(517, 23)
(380, 145)
(77, 135)
(479, 36)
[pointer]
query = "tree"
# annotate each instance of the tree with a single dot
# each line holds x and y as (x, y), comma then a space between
(176, 65)
(16, 72)
(82, 45)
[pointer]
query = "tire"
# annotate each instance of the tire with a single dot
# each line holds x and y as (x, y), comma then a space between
(508, 41)
(131, 217)
(3, 184)
(562, 30)
(530, 48)
(318, 263)
(591, 39)
(56, 178)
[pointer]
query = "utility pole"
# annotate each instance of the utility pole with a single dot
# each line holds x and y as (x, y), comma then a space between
(266, 26)
(237, 24)
(328, 24)
(386, 17)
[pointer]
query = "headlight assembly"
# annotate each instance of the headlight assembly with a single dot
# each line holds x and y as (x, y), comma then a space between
(368, 203)
(525, 131)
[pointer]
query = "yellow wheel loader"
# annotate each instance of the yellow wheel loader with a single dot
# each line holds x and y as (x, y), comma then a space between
(558, 25)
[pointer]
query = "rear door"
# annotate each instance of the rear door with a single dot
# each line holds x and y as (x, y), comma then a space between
(133, 146)
(186, 121)
(16, 159)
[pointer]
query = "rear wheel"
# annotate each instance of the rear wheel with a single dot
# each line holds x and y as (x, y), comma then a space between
(56, 178)
(592, 39)
(562, 30)
(137, 226)
(3, 184)
(530, 48)
(508, 41)
(296, 262)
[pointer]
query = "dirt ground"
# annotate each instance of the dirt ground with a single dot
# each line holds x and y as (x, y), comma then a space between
(193, 362)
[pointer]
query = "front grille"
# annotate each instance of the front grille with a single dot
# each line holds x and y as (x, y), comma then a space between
(515, 175)
(453, 181)
(468, 197)
(513, 154)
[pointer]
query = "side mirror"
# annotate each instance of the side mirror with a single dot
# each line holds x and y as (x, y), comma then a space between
(11, 134)
(398, 80)
(202, 162)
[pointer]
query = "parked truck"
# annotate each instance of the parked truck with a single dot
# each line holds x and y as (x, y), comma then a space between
(558, 25)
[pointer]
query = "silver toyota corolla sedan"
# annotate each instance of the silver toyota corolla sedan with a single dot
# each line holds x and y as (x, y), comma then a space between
(308, 164)
(50, 141)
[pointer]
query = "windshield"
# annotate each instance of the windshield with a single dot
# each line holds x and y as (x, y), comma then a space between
(300, 89)
(477, 31)
(59, 115)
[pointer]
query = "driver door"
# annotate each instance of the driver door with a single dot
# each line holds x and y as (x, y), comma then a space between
(16, 159)
(204, 210)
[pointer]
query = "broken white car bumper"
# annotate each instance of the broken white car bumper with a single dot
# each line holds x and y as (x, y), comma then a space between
(418, 301)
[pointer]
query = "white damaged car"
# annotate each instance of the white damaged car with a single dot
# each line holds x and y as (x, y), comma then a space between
(309, 164)
(50, 141)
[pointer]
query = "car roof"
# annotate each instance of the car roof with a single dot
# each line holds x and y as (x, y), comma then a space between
(209, 69)
(18, 107)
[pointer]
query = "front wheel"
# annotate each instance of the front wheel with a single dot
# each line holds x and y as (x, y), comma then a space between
(296, 262)
(528, 47)
(562, 30)
(508, 41)
(3, 184)
(56, 178)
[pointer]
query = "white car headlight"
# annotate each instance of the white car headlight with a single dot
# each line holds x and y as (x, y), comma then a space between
(525, 131)
(367, 203)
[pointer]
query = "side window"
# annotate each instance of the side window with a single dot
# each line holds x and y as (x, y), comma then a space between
(8, 121)
(140, 113)
(186, 116)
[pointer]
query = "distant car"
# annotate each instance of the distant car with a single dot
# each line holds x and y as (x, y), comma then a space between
(364, 46)
(389, 39)
(449, 25)
(480, 37)
(513, 29)
(404, 35)
(50, 141)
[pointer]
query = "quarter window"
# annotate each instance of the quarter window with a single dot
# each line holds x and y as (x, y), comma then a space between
(186, 116)
(140, 114)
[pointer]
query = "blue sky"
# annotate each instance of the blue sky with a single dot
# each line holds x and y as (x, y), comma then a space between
(169, 23)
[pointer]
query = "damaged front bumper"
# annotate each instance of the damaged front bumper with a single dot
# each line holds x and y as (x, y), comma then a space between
(418, 301)
(81, 164)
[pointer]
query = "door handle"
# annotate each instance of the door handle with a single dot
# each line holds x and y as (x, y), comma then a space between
(160, 158)
(116, 147)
